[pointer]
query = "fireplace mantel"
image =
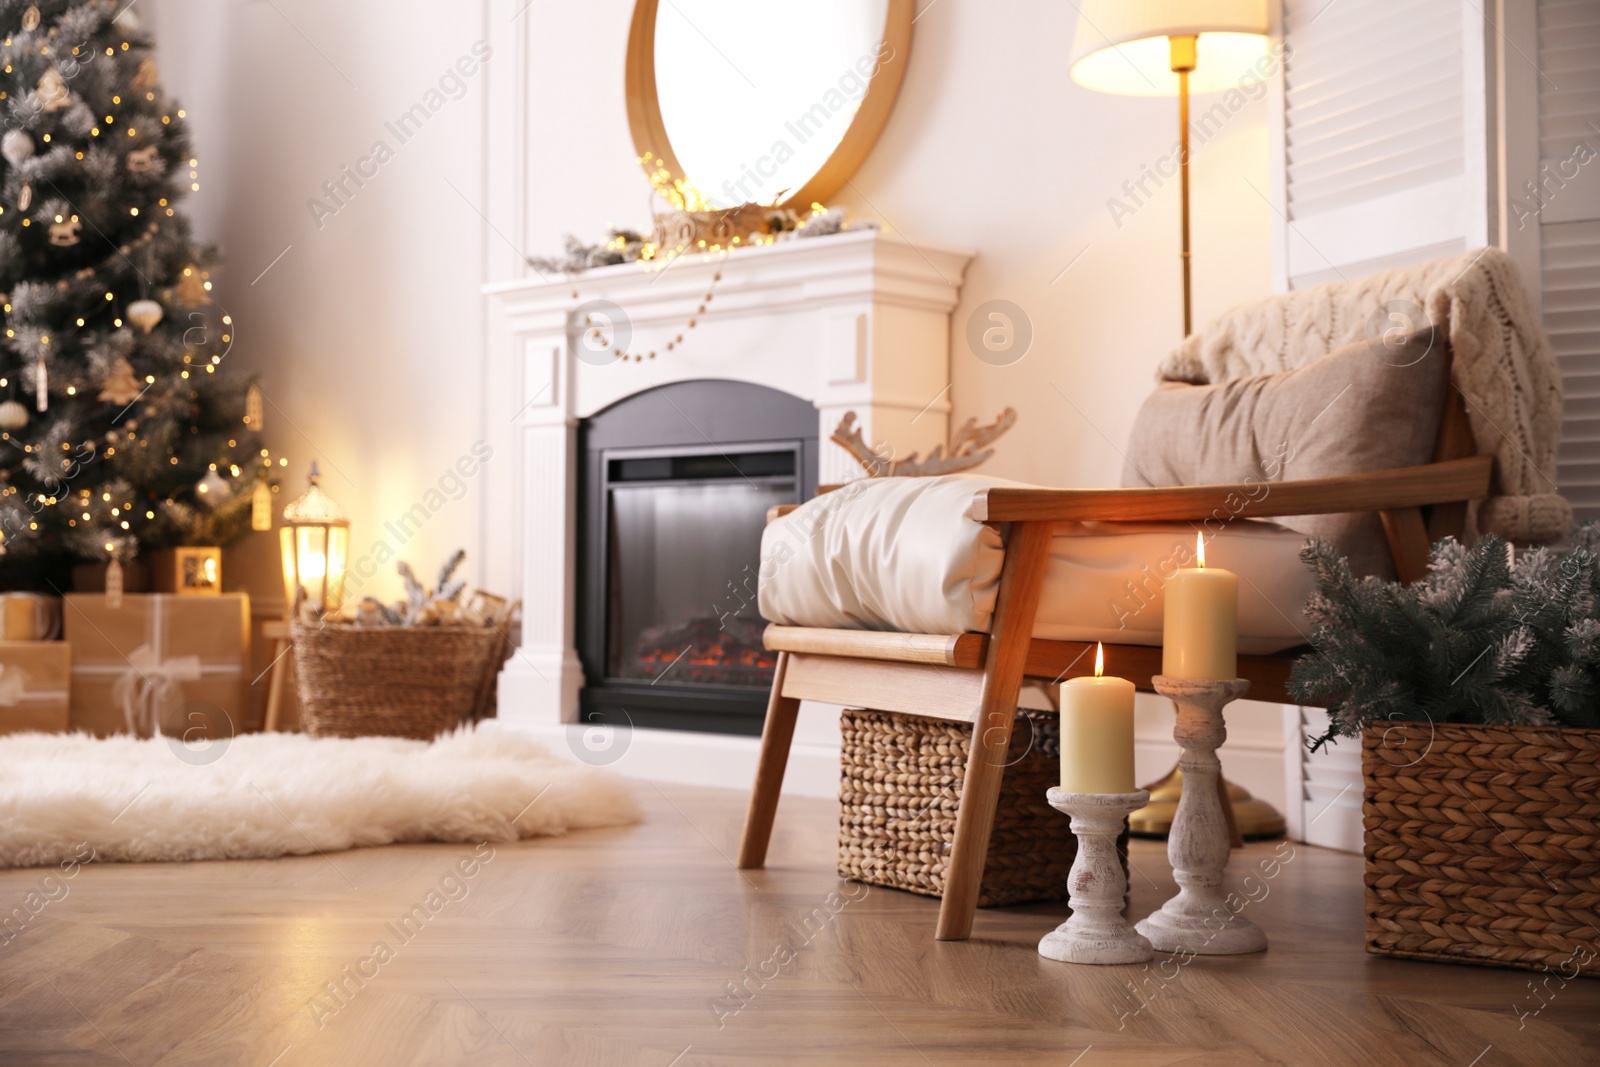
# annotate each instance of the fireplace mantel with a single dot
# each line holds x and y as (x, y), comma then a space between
(858, 321)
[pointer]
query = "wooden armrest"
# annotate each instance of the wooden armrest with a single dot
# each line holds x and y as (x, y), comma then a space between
(946, 650)
(1403, 487)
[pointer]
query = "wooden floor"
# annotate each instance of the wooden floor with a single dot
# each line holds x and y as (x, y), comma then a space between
(623, 946)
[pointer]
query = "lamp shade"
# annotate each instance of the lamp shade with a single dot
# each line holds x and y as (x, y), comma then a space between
(1121, 45)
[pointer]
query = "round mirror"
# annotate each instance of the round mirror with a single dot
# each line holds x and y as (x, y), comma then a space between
(761, 101)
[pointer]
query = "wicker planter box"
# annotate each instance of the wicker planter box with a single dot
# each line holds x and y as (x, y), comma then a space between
(400, 681)
(900, 783)
(1483, 845)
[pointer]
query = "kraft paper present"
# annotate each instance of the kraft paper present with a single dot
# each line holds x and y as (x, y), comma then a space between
(29, 617)
(159, 662)
(34, 680)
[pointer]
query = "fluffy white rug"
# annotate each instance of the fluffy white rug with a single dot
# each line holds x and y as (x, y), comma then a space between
(275, 794)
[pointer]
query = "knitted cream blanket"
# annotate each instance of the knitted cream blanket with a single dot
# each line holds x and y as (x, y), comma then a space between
(1501, 364)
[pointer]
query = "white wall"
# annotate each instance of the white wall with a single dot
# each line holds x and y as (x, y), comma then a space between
(368, 332)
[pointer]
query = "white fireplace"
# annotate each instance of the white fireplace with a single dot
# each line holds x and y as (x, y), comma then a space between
(857, 321)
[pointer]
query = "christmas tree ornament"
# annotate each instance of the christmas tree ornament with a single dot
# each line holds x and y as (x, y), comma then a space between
(13, 416)
(17, 147)
(146, 77)
(25, 197)
(143, 160)
(64, 234)
(126, 20)
(255, 408)
(114, 583)
(52, 91)
(144, 314)
(30, 18)
(192, 287)
(213, 489)
(120, 386)
(260, 500)
(41, 385)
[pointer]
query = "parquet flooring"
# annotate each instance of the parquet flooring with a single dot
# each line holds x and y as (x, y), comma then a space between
(643, 945)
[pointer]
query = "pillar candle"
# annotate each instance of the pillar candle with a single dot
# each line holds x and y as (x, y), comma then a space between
(1097, 732)
(1201, 632)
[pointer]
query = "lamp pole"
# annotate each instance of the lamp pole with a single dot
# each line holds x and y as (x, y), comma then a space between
(1182, 53)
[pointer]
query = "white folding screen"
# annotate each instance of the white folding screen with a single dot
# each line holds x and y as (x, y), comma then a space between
(1382, 156)
(1552, 219)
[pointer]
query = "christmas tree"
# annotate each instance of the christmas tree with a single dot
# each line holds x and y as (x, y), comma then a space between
(118, 433)
(1490, 635)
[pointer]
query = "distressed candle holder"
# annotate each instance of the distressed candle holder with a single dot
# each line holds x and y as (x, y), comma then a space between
(1096, 931)
(1198, 920)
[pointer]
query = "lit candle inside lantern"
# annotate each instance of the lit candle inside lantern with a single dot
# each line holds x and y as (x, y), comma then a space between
(1201, 632)
(1097, 732)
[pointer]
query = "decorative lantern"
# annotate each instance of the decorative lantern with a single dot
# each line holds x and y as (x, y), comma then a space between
(316, 547)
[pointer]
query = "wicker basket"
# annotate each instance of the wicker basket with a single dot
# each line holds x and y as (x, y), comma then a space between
(1483, 844)
(403, 681)
(899, 788)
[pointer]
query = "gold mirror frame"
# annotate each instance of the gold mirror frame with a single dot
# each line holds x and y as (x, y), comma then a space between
(650, 140)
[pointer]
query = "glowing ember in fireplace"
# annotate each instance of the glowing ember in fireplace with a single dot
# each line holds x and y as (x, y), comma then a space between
(705, 651)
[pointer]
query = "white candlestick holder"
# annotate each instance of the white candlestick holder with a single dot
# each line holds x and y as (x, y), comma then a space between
(1096, 931)
(1198, 919)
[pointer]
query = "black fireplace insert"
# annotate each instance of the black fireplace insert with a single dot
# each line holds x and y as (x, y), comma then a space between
(673, 494)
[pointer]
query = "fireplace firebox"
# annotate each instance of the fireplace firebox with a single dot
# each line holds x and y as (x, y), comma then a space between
(674, 488)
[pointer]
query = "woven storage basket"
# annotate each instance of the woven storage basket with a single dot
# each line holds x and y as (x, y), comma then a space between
(1483, 844)
(403, 681)
(899, 789)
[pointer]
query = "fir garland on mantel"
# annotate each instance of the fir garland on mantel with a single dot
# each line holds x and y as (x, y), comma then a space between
(1490, 636)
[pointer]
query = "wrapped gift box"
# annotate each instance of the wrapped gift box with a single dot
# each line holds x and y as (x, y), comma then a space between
(29, 617)
(33, 686)
(158, 661)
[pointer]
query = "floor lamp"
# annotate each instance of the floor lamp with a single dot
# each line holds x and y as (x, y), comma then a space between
(1166, 48)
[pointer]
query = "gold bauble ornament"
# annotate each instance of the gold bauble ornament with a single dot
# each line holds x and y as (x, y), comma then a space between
(13, 416)
(144, 314)
(25, 197)
(52, 91)
(30, 18)
(120, 386)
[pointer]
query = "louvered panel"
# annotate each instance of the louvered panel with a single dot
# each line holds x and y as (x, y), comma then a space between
(1571, 283)
(1336, 68)
(1327, 69)
(1373, 91)
(1331, 787)
(1569, 81)
(1337, 133)
(1368, 115)
(1393, 165)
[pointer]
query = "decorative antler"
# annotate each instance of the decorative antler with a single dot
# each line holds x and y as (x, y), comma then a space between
(963, 453)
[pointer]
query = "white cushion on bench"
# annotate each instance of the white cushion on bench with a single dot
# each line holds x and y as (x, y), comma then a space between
(901, 554)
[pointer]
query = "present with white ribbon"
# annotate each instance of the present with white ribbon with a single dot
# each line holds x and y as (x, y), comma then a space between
(29, 617)
(159, 663)
(34, 686)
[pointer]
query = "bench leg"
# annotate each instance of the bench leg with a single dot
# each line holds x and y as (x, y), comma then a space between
(776, 737)
(1027, 553)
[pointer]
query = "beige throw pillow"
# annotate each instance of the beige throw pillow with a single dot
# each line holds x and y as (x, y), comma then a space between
(1364, 407)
